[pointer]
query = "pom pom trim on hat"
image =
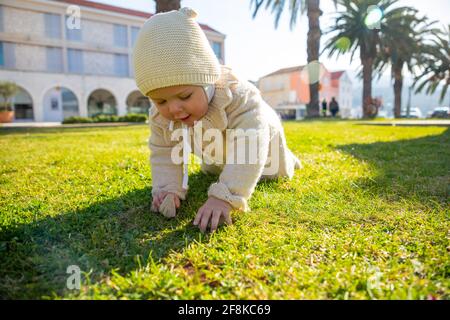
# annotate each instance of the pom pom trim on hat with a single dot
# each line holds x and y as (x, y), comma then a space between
(190, 13)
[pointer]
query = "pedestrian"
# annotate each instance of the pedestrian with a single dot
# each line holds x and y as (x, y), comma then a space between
(324, 107)
(334, 107)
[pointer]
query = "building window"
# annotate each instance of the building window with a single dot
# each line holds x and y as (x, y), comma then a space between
(134, 34)
(120, 36)
(7, 55)
(52, 25)
(54, 104)
(121, 65)
(54, 59)
(73, 34)
(75, 60)
(217, 48)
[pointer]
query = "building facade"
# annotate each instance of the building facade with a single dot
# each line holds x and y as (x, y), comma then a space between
(73, 58)
(287, 90)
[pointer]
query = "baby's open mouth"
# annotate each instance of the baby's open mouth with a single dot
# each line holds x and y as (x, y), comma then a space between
(185, 118)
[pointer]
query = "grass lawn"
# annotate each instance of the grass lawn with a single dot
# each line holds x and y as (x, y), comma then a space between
(366, 218)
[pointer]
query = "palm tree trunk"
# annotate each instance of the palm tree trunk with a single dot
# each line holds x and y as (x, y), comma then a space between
(398, 86)
(367, 64)
(167, 5)
(313, 47)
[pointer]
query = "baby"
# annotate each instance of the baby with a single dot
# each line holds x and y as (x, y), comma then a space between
(177, 69)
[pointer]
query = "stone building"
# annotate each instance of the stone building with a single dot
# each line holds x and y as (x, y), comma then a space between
(73, 58)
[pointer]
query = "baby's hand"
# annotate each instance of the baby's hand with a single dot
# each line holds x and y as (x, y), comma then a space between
(166, 203)
(215, 210)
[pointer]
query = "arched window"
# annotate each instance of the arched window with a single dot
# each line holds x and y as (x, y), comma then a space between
(101, 102)
(60, 103)
(137, 103)
(23, 105)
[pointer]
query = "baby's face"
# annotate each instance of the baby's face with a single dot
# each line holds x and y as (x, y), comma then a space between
(184, 103)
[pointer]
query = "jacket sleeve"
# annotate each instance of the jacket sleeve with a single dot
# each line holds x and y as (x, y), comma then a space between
(238, 180)
(166, 175)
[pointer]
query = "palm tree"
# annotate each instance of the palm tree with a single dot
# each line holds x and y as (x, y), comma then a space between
(353, 26)
(312, 8)
(437, 65)
(402, 45)
(167, 5)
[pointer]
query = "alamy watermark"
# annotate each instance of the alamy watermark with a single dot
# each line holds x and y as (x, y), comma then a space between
(74, 280)
(73, 20)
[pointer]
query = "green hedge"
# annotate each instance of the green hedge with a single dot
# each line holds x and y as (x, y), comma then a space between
(132, 117)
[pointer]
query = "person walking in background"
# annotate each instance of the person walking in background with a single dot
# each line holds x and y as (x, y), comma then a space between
(334, 107)
(324, 107)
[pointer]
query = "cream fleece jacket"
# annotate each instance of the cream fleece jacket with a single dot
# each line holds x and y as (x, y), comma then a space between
(236, 104)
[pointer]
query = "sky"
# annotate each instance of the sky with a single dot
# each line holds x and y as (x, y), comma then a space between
(254, 48)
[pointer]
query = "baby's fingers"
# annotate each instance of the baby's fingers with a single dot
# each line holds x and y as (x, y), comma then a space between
(227, 217)
(205, 219)
(177, 202)
(160, 198)
(155, 205)
(198, 216)
(215, 220)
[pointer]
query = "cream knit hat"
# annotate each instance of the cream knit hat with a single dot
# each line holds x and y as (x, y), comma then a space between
(172, 49)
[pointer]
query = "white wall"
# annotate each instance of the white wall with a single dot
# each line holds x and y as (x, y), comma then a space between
(38, 84)
(24, 25)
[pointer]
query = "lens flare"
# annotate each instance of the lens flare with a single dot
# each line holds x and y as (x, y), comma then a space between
(312, 72)
(374, 17)
(343, 44)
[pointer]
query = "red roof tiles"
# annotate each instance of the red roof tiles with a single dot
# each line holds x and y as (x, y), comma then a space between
(131, 12)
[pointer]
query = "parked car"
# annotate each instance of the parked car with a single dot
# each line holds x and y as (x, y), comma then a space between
(413, 113)
(441, 112)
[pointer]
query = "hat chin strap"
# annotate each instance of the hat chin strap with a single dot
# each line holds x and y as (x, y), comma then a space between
(209, 91)
(186, 153)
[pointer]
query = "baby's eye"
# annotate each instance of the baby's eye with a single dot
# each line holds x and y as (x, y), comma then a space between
(161, 102)
(186, 97)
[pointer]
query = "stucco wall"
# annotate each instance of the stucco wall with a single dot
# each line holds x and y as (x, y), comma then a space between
(26, 22)
(31, 58)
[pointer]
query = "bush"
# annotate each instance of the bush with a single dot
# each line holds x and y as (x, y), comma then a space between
(132, 117)
(105, 118)
(77, 120)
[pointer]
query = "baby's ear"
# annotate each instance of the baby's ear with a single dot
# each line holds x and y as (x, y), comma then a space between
(188, 12)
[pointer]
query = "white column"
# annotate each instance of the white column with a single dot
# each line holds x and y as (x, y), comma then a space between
(122, 104)
(38, 105)
(82, 104)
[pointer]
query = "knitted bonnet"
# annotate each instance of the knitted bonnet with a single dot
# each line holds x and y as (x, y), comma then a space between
(172, 49)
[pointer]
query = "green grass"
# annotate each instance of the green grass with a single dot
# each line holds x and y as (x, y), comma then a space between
(367, 218)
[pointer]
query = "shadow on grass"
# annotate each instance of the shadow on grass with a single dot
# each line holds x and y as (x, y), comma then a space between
(119, 234)
(417, 167)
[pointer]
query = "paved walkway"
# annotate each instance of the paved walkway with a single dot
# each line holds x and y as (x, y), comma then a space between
(422, 123)
(440, 123)
(60, 125)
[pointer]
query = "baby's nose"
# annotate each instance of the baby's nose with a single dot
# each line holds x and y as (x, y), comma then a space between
(175, 109)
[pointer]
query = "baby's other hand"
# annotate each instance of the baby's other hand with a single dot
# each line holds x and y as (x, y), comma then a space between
(158, 198)
(215, 210)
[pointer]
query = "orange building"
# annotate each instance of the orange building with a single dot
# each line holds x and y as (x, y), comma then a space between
(287, 90)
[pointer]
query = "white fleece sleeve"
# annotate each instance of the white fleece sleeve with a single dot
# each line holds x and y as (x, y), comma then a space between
(166, 176)
(238, 180)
